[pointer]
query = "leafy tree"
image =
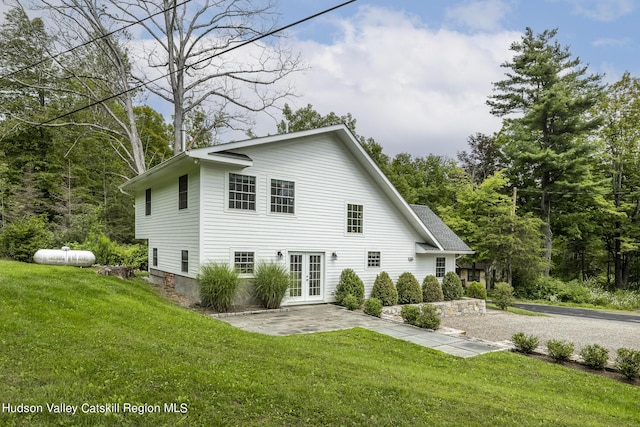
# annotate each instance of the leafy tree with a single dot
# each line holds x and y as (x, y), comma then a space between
(485, 157)
(546, 143)
(620, 134)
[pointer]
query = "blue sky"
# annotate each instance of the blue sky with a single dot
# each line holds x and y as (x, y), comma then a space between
(416, 74)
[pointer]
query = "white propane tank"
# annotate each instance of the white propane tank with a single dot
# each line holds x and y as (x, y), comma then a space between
(64, 256)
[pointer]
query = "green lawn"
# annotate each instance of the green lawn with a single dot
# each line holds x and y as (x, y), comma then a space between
(69, 336)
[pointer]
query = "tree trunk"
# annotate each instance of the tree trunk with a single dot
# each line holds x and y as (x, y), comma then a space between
(548, 234)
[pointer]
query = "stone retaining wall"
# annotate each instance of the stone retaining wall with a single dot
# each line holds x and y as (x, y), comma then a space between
(463, 307)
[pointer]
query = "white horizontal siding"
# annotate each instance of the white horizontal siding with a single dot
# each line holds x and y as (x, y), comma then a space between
(168, 228)
(326, 177)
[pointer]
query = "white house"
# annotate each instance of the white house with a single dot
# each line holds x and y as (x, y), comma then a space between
(313, 200)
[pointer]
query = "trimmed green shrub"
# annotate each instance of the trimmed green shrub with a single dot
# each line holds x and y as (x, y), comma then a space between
(595, 356)
(524, 343)
(452, 287)
(502, 295)
(410, 314)
(628, 362)
(559, 350)
(271, 283)
(350, 302)
(219, 284)
(428, 317)
(373, 307)
(431, 289)
(350, 283)
(21, 238)
(476, 290)
(409, 291)
(423, 316)
(384, 290)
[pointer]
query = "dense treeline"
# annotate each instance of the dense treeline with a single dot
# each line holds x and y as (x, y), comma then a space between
(555, 192)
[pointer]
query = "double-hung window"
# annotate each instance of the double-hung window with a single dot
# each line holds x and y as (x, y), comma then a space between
(154, 257)
(184, 264)
(183, 191)
(354, 218)
(282, 196)
(440, 266)
(242, 192)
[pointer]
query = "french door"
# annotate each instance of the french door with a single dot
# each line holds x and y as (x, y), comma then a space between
(307, 277)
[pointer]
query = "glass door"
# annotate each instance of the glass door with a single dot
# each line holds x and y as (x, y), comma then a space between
(307, 275)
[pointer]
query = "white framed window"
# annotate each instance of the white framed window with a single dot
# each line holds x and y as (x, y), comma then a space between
(373, 259)
(282, 196)
(244, 261)
(355, 223)
(441, 266)
(242, 192)
(183, 192)
(184, 264)
(154, 257)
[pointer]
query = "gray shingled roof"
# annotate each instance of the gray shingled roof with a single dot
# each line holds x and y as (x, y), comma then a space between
(443, 234)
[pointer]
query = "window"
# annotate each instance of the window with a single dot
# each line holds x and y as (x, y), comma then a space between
(154, 257)
(282, 196)
(373, 259)
(354, 218)
(147, 202)
(440, 266)
(243, 262)
(185, 262)
(183, 191)
(242, 192)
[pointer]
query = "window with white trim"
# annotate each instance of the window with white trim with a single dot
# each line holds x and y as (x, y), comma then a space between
(183, 192)
(354, 218)
(147, 202)
(282, 196)
(244, 262)
(242, 192)
(154, 257)
(184, 264)
(373, 259)
(441, 266)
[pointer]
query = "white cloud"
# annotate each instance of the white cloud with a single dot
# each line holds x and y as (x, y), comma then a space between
(412, 88)
(482, 15)
(611, 42)
(603, 10)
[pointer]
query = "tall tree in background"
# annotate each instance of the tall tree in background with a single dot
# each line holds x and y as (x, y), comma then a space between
(186, 45)
(620, 134)
(484, 157)
(546, 101)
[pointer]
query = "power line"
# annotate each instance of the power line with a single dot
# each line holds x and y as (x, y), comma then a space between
(35, 64)
(255, 39)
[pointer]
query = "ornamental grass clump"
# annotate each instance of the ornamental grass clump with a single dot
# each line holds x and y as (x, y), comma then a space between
(559, 350)
(476, 290)
(219, 284)
(384, 290)
(272, 280)
(595, 356)
(431, 289)
(524, 343)
(452, 287)
(373, 307)
(350, 284)
(409, 291)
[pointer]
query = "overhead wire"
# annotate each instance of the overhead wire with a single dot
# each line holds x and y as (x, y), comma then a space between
(88, 42)
(238, 46)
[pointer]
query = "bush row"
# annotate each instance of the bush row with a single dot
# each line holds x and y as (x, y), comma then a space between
(407, 289)
(627, 361)
(591, 291)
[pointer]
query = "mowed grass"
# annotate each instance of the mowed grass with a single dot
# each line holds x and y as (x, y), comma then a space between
(69, 336)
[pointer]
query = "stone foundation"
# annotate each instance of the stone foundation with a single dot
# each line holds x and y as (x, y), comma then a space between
(463, 307)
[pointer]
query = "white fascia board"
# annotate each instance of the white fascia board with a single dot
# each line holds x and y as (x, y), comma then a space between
(216, 158)
(135, 181)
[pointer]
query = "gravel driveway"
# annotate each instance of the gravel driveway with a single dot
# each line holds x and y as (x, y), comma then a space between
(499, 326)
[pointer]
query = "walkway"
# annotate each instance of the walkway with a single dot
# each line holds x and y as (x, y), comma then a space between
(329, 317)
